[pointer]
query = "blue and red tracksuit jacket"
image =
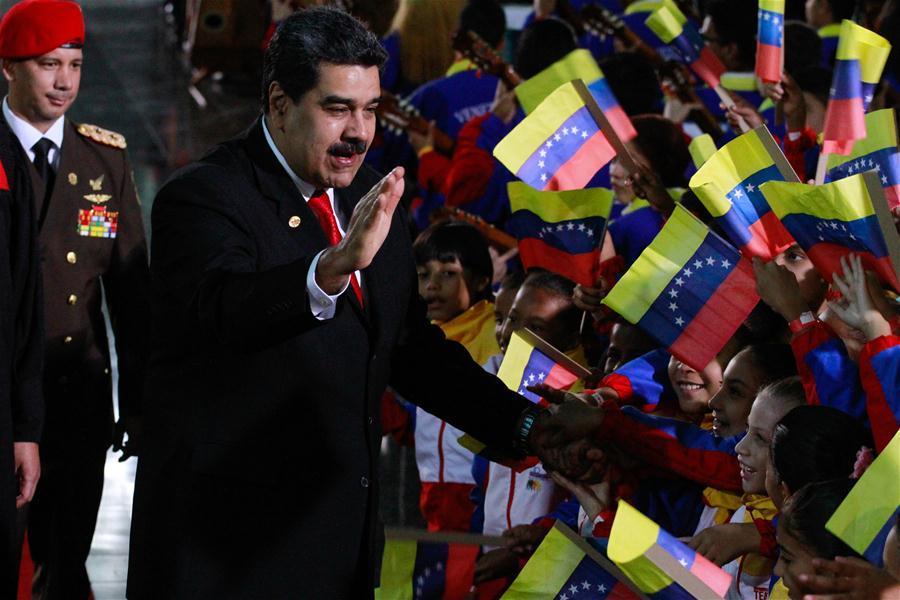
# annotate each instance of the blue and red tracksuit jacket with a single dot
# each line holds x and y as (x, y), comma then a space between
(643, 382)
(879, 373)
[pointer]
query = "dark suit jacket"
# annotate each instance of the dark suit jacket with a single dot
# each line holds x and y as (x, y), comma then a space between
(258, 475)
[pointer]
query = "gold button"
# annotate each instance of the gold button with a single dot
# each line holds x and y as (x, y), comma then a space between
(71, 258)
(67, 339)
(106, 371)
(72, 299)
(294, 222)
(73, 179)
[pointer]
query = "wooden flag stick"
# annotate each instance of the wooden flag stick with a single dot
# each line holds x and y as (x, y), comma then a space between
(781, 162)
(821, 167)
(444, 537)
(622, 152)
(728, 101)
(884, 218)
(553, 353)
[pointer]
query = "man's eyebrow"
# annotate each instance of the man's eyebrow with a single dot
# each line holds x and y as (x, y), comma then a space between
(348, 101)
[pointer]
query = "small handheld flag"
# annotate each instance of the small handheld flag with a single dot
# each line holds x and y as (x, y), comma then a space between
(673, 29)
(839, 218)
(565, 567)
(424, 569)
(578, 64)
(701, 148)
(861, 56)
(559, 146)
(878, 152)
(869, 509)
(658, 563)
(728, 184)
(770, 40)
(689, 289)
(560, 231)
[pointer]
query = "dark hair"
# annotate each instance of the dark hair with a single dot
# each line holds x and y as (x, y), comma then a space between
(816, 80)
(774, 361)
(842, 9)
(789, 390)
(486, 18)
(802, 46)
(807, 511)
(662, 142)
(816, 443)
(735, 23)
(633, 82)
(512, 280)
(451, 240)
(543, 43)
(559, 285)
(310, 37)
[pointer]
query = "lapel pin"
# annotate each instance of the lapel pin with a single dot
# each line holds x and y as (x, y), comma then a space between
(294, 222)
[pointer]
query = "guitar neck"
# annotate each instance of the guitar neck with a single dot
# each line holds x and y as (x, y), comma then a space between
(393, 114)
(470, 45)
(495, 237)
(600, 19)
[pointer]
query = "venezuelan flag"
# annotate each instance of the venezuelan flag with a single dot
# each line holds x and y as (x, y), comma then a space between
(560, 231)
(635, 18)
(728, 185)
(658, 563)
(834, 220)
(672, 28)
(525, 365)
(689, 289)
(559, 146)
(770, 40)
(878, 152)
(561, 569)
(578, 64)
(867, 514)
(701, 148)
(426, 570)
(861, 55)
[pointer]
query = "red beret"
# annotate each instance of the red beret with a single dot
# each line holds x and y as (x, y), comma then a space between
(35, 27)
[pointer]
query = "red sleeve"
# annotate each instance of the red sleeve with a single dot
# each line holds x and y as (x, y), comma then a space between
(795, 150)
(433, 169)
(768, 545)
(471, 168)
(804, 342)
(878, 374)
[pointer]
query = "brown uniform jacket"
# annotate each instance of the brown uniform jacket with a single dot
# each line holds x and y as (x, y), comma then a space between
(92, 234)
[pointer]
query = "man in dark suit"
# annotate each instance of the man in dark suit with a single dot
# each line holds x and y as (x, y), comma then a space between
(92, 243)
(21, 353)
(276, 329)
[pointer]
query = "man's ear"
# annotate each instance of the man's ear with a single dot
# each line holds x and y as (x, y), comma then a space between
(9, 71)
(278, 102)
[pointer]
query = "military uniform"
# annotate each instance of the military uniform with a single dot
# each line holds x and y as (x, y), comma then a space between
(92, 242)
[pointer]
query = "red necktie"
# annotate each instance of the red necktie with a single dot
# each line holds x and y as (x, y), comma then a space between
(320, 204)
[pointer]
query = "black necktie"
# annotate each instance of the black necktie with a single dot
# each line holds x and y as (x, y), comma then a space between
(41, 151)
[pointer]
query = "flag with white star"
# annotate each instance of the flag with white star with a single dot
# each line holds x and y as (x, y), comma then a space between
(838, 219)
(878, 152)
(524, 365)
(658, 563)
(728, 186)
(560, 231)
(770, 40)
(578, 64)
(422, 570)
(564, 568)
(670, 25)
(859, 62)
(689, 289)
(559, 146)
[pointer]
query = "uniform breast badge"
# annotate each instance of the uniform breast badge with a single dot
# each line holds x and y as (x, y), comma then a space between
(97, 222)
(97, 185)
(73, 179)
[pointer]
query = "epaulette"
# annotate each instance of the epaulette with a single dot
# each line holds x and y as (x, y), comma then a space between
(102, 136)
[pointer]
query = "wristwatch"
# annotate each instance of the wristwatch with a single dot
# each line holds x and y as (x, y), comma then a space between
(805, 318)
(523, 429)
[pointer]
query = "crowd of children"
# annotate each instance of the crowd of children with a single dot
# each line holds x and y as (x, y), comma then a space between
(745, 459)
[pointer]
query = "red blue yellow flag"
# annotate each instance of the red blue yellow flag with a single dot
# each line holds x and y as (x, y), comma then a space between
(682, 36)
(728, 185)
(861, 56)
(689, 289)
(564, 568)
(525, 365)
(770, 40)
(559, 146)
(560, 231)
(657, 563)
(578, 64)
(836, 219)
(416, 569)
(877, 152)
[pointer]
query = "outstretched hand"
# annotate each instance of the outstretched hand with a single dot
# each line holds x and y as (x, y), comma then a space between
(848, 578)
(860, 311)
(563, 440)
(366, 232)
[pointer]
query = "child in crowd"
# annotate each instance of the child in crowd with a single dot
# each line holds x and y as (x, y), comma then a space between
(454, 269)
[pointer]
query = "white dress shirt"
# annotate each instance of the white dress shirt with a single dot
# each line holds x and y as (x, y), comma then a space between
(322, 304)
(28, 136)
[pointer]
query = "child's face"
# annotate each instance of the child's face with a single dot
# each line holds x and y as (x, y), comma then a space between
(446, 288)
(753, 450)
(694, 388)
(731, 404)
(812, 286)
(793, 560)
(625, 343)
(502, 305)
(620, 188)
(540, 311)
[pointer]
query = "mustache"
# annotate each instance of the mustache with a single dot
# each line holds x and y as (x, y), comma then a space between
(348, 148)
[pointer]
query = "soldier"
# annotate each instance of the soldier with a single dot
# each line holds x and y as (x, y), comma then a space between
(90, 235)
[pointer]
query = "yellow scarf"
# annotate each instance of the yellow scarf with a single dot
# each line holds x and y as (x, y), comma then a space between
(474, 329)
